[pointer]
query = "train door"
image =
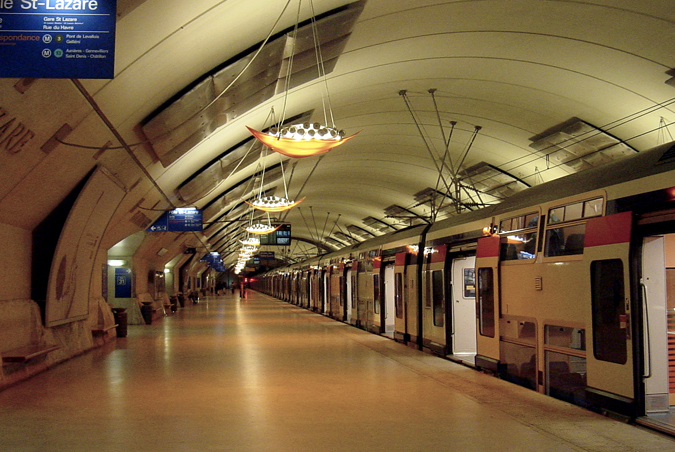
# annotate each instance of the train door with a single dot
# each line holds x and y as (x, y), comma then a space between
(411, 300)
(609, 363)
(373, 320)
(388, 313)
(463, 311)
(354, 299)
(336, 294)
(400, 331)
(433, 297)
(349, 295)
(364, 292)
(656, 308)
(487, 303)
(325, 294)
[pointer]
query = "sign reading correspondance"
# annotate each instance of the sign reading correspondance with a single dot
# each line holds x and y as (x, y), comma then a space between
(57, 38)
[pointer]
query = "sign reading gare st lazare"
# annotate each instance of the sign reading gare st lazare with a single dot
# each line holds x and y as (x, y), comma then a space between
(57, 38)
(13, 133)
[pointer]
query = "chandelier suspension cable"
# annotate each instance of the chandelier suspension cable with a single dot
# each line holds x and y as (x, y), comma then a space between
(322, 70)
(289, 68)
(283, 176)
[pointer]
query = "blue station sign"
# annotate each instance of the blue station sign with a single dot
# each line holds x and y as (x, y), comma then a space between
(181, 219)
(57, 38)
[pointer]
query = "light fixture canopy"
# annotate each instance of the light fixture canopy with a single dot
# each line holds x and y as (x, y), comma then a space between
(251, 241)
(261, 229)
(273, 203)
(297, 141)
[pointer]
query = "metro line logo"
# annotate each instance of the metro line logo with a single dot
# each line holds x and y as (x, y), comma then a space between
(57, 38)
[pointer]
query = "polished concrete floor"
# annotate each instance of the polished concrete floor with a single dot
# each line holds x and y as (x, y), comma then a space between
(256, 374)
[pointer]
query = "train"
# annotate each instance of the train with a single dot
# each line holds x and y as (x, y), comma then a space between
(566, 288)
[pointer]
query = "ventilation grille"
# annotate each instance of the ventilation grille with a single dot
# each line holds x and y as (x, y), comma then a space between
(668, 155)
(580, 145)
(141, 220)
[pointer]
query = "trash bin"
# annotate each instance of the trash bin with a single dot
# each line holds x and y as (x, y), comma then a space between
(146, 312)
(174, 303)
(121, 321)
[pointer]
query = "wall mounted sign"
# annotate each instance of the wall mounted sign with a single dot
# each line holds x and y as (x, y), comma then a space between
(57, 38)
(123, 282)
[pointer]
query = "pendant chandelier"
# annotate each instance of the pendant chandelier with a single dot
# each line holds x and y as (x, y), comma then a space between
(308, 139)
(271, 203)
(261, 228)
(251, 241)
(297, 141)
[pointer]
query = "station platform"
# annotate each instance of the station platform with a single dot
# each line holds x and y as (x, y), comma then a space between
(258, 374)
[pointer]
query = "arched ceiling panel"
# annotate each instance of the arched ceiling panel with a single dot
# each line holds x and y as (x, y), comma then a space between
(518, 70)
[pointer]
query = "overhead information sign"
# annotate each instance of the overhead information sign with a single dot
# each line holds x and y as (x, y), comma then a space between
(57, 38)
(181, 219)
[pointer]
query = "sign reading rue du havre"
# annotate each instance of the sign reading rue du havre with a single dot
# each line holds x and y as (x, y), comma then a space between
(57, 38)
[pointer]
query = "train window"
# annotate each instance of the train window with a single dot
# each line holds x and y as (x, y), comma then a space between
(519, 223)
(531, 220)
(569, 240)
(608, 311)
(593, 208)
(566, 377)
(469, 283)
(566, 337)
(576, 211)
(438, 298)
(427, 289)
(565, 241)
(523, 244)
(556, 215)
(398, 294)
(519, 363)
(376, 293)
(518, 246)
(486, 302)
(355, 291)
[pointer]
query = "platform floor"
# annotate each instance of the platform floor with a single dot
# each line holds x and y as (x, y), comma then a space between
(262, 375)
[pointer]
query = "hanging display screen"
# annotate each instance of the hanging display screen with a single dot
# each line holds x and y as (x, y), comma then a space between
(57, 38)
(280, 237)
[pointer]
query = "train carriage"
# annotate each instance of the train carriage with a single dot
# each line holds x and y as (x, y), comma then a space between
(567, 288)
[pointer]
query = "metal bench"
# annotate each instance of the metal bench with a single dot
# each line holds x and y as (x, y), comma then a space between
(101, 331)
(26, 353)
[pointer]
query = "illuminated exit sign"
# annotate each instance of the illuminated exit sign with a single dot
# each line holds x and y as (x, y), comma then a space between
(57, 38)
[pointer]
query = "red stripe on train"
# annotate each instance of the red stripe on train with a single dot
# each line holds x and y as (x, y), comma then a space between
(609, 230)
(488, 246)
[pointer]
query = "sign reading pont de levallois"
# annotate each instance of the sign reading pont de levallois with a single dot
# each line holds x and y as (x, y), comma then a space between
(57, 38)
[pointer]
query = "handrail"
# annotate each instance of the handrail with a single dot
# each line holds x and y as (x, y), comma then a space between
(648, 345)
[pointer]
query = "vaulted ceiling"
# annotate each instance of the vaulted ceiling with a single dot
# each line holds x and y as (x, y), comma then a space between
(457, 103)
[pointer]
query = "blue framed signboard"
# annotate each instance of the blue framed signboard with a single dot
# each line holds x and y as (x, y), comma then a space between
(57, 38)
(181, 219)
